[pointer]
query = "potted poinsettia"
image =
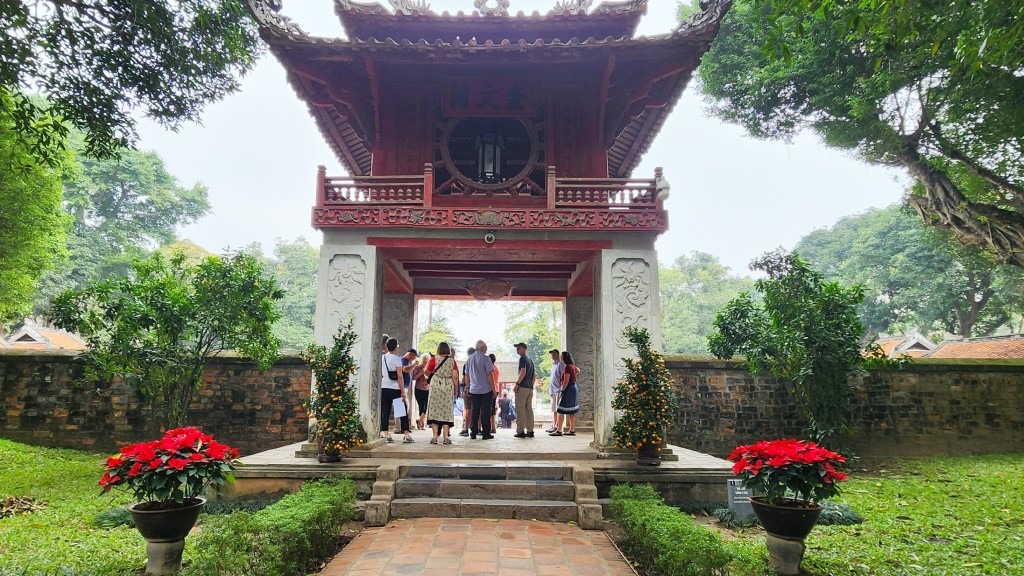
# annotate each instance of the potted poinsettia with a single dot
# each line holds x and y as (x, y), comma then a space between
(794, 476)
(168, 478)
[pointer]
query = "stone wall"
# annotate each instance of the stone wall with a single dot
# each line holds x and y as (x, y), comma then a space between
(931, 407)
(42, 402)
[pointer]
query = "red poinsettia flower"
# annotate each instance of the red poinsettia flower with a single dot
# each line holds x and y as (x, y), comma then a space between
(786, 468)
(143, 467)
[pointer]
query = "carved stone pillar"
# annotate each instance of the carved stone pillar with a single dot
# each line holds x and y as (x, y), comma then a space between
(580, 332)
(397, 319)
(626, 294)
(350, 287)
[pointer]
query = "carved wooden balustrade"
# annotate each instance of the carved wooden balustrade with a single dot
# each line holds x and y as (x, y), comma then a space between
(409, 201)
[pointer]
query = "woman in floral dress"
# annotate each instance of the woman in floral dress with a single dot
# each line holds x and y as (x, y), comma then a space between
(443, 374)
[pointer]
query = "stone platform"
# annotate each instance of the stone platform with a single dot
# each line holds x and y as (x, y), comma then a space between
(686, 475)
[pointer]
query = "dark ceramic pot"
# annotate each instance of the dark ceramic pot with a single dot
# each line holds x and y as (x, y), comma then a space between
(169, 525)
(793, 520)
(321, 453)
(648, 455)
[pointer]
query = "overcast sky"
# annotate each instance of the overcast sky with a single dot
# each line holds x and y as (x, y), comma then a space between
(732, 196)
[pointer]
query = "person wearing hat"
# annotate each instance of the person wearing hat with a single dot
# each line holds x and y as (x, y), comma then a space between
(524, 394)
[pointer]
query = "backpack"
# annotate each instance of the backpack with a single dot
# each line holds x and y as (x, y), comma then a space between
(511, 412)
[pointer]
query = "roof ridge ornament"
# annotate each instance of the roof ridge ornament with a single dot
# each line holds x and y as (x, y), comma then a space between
(572, 6)
(267, 14)
(411, 7)
(484, 6)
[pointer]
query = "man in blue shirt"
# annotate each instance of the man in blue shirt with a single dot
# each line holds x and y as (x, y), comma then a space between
(524, 394)
(480, 370)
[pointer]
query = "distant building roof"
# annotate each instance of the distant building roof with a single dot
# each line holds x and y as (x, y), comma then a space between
(34, 337)
(913, 345)
(991, 347)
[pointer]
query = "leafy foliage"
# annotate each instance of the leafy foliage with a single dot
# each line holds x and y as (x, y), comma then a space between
(915, 276)
(102, 63)
(121, 208)
(289, 538)
(645, 396)
(157, 328)
(933, 87)
(333, 401)
(663, 540)
(32, 224)
(437, 331)
(693, 289)
(295, 265)
(806, 331)
(539, 326)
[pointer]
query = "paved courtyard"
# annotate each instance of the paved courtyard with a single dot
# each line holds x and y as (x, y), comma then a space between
(466, 547)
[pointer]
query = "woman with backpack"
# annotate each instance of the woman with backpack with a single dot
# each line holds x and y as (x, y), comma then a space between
(506, 410)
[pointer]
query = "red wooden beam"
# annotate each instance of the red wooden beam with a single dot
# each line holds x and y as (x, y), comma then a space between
(553, 245)
(483, 273)
(517, 294)
(494, 266)
(394, 280)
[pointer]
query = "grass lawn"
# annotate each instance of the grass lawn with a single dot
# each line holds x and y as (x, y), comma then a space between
(62, 536)
(948, 516)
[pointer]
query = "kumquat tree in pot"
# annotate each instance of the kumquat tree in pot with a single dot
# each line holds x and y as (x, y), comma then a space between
(646, 400)
(333, 401)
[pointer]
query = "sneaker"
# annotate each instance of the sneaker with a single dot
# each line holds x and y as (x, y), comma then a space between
(520, 435)
(487, 437)
(390, 439)
(408, 440)
(464, 433)
(472, 436)
(433, 440)
(529, 434)
(550, 430)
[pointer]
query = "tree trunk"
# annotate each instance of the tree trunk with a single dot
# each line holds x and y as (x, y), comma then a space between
(999, 231)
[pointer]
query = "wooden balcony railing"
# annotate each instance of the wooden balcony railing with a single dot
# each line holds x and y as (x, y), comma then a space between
(409, 200)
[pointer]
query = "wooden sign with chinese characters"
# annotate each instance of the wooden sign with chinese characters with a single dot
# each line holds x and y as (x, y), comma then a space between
(509, 97)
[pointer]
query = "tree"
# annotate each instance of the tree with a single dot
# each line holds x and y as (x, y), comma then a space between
(437, 331)
(539, 326)
(935, 88)
(101, 63)
(156, 328)
(914, 276)
(806, 331)
(295, 266)
(693, 290)
(32, 225)
(121, 208)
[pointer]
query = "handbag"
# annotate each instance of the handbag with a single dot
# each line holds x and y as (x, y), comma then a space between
(392, 374)
(436, 370)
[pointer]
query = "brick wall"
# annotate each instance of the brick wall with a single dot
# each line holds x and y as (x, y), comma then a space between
(932, 407)
(42, 403)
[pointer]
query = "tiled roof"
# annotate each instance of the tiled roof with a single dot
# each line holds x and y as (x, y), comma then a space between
(350, 135)
(913, 345)
(34, 337)
(992, 347)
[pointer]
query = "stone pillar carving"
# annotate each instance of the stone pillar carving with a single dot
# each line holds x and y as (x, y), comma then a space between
(580, 342)
(350, 284)
(626, 294)
(397, 319)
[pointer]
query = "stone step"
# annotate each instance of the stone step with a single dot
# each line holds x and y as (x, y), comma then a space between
(545, 510)
(487, 471)
(563, 490)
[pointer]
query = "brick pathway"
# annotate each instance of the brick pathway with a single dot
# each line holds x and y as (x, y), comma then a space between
(468, 547)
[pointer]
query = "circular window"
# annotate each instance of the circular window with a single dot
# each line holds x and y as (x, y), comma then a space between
(489, 153)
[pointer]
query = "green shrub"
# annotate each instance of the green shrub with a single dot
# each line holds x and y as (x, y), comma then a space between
(662, 539)
(286, 538)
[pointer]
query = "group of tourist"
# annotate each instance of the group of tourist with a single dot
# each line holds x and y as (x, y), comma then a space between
(438, 386)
